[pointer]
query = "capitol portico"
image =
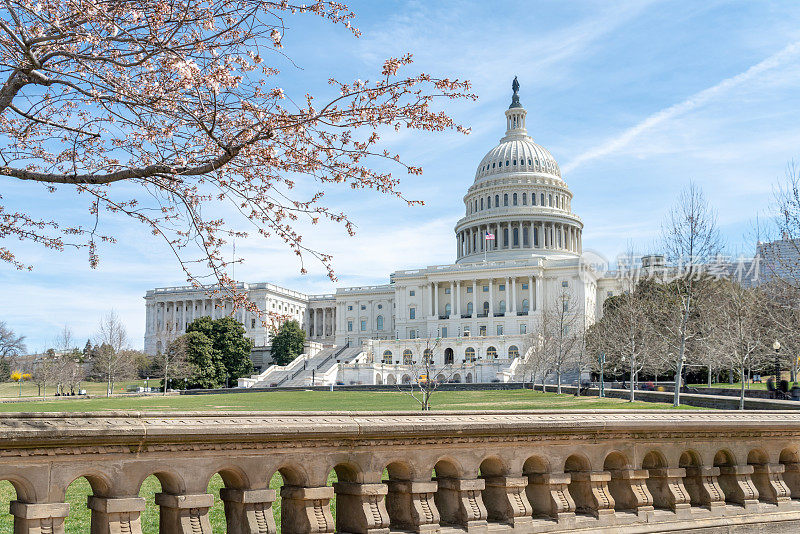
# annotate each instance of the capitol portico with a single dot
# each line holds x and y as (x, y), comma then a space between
(518, 247)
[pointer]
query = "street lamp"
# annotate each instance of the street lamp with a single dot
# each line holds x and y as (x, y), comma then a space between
(777, 348)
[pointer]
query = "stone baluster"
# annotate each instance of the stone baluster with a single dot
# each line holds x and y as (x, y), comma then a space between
(768, 480)
(249, 511)
(40, 518)
(666, 487)
(460, 504)
(703, 487)
(184, 514)
(506, 501)
(411, 505)
(629, 488)
(737, 485)
(590, 491)
(360, 508)
(549, 496)
(306, 510)
(116, 515)
(791, 477)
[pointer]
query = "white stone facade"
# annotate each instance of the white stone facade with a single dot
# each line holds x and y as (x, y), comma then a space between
(496, 289)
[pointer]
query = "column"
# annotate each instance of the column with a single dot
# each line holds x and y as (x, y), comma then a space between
(474, 298)
(666, 487)
(737, 485)
(411, 506)
(590, 491)
(39, 518)
(497, 237)
(316, 323)
(513, 296)
(436, 299)
(184, 514)
(249, 511)
(118, 515)
(768, 480)
(361, 508)
(506, 501)
(458, 299)
(491, 297)
(703, 488)
(507, 311)
(306, 510)
(531, 304)
(460, 504)
(453, 309)
(549, 495)
(539, 295)
(629, 488)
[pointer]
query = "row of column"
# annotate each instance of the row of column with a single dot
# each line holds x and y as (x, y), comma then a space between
(426, 505)
(534, 297)
(173, 315)
(540, 236)
(321, 322)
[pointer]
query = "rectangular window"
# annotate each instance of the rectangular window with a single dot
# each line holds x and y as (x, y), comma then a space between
(523, 328)
(411, 293)
(499, 330)
(502, 287)
(469, 289)
(349, 308)
(566, 305)
(610, 294)
(482, 331)
(363, 325)
(363, 307)
(524, 285)
(466, 331)
(412, 334)
(412, 313)
(564, 284)
(349, 326)
(485, 289)
(252, 323)
(447, 291)
(444, 331)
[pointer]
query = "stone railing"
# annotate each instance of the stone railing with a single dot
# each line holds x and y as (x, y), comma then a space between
(613, 471)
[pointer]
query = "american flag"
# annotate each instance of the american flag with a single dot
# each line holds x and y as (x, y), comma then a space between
(489, 236)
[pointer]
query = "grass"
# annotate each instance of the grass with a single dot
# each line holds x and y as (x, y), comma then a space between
(735, 385)
(331, 400)
(29, 389)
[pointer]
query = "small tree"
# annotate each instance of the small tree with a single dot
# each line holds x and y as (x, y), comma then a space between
(111, 361)
(11, 346)
(174, 364)
(426, 376)
(208, 370)
(287, 343)
(562, 328)
(228, 339)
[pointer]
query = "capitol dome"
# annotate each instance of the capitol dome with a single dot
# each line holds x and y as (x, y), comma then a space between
(518, 198)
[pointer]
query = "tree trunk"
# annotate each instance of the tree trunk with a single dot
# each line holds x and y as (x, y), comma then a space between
(741, 391)
(558, 378)
(679, 367)
(709, 376)
(632, 379)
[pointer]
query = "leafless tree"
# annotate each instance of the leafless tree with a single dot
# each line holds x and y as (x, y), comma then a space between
(426, 375)
(561, 324)
(782, 308)
(690, 238)
(534, 358)
(740, 333)
(11, 345)
(781, 254)
(111, 359)
(173, 363)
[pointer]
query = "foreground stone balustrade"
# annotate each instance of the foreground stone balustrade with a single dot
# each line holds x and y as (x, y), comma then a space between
(476, 472)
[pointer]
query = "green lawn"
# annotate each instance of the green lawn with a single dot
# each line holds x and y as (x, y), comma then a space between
(327, 400)
(735, 385)
(29, 389)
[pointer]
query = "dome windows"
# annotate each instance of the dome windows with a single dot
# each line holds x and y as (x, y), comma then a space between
(505, 199)
(524, 199)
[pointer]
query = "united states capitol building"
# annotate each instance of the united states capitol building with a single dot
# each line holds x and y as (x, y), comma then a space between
(480, 309)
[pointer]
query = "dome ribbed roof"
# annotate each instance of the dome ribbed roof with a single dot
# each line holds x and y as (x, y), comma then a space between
(517, 153)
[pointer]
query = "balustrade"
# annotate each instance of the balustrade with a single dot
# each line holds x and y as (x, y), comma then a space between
(473, 471)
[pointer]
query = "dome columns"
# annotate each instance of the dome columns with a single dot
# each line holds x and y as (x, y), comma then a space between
(521, 234)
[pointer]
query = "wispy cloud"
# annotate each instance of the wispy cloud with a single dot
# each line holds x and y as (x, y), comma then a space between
(624, 139)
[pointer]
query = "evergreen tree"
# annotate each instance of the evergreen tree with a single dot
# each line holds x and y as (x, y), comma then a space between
(229, 343)
(288, 342)
(208, 372)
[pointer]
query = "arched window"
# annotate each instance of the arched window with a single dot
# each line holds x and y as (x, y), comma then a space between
(505, 199)
(497, 201)
(524, 199)
(513, 351)
(481, 203)
(514, 199)
(428, 355)
(489, 202)
(516, 237)
(525, 305)
(525, 238)
(529, 161)
(469, 308)
(491, 353)
(447, 309)
(448, 356)
(379, 322)
(541, 199)
(469, 354)
(502, 306)
(408, 357)
(549, 201)
(505, 237)
(387, 356)
(485, 307)
(515, 161)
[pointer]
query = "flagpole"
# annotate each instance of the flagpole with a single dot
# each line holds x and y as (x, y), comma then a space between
(485, 244)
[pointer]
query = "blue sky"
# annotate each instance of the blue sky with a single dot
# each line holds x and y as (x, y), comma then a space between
(634, 99)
